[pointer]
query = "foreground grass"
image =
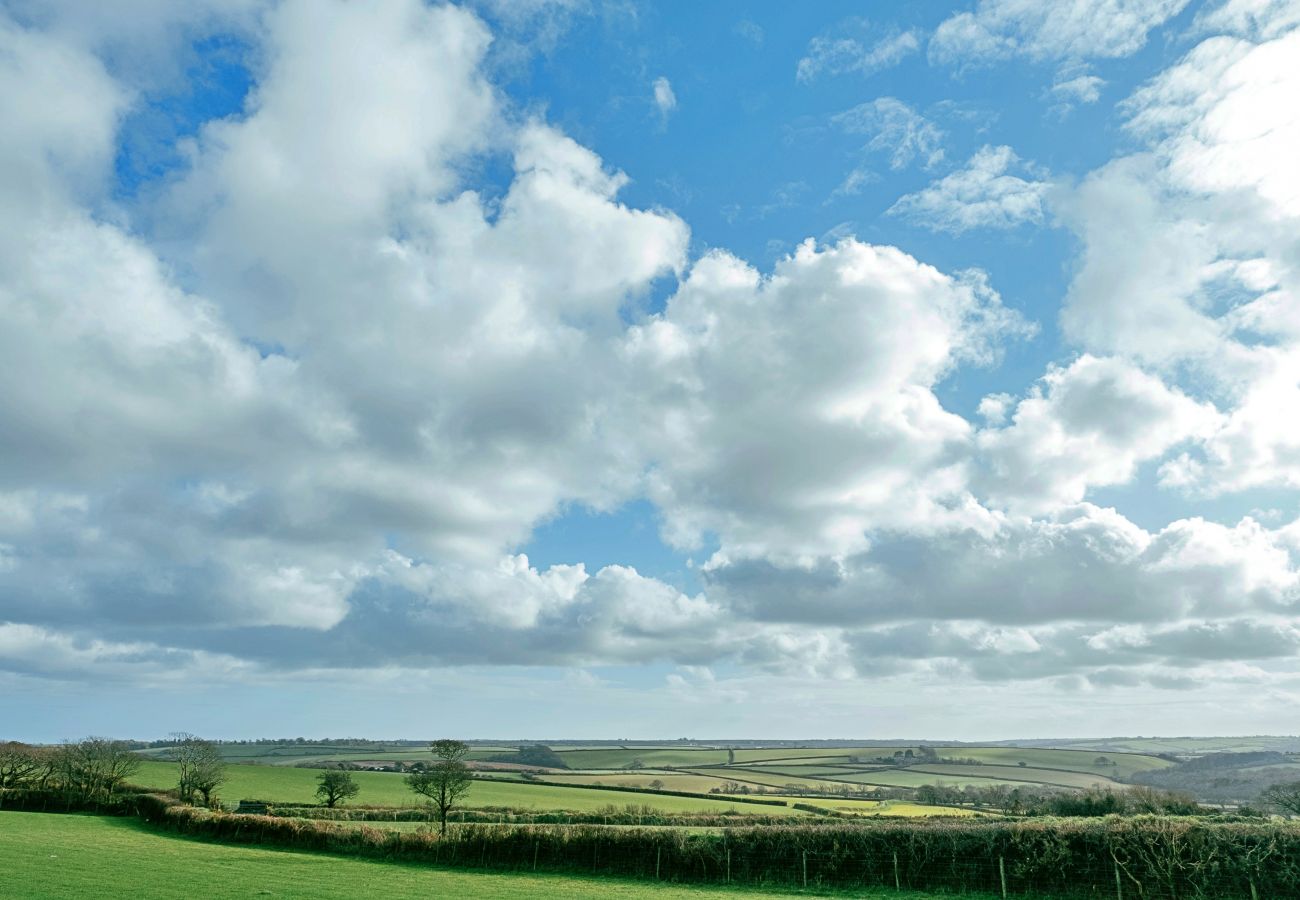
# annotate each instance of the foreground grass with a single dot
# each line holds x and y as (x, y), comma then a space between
(71, 857)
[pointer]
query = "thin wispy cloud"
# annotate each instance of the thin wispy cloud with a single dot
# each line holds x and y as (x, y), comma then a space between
(838, 55)
(664, 99)
(981, 194)
(896, 129)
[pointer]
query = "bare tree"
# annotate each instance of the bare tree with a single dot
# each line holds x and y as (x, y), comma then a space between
(20, 764)
(202, 769)
(334, 787)
(446, 781)
(95, 767)
(1285, 796)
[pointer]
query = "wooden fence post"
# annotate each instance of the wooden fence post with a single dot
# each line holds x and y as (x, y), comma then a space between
(658, 854)
(1002, 876)
(805, 868)
(728, 865)
(537, 845)
(898, 885)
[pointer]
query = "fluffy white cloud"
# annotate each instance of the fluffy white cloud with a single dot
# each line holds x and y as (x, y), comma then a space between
(306, 410)
(793, 413)
(1258, 444)
(981, 195)
(1063, 30)
(1081, 564)
(1088, 424)
(895, 128)
(1190, 250)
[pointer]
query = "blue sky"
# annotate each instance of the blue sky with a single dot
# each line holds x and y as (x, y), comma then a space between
(649, 368)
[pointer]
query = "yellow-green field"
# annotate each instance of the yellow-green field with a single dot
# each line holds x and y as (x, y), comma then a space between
(1055, 777)
(70, 857)
(290, 786)
(684, 768)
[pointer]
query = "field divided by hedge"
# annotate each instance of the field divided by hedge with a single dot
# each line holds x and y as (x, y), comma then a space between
(1148, 857)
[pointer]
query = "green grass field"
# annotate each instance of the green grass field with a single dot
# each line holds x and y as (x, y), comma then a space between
(615, 758)
(1074, 760)
(695, 769)
(909, 779)
(290, 786)
(696, 784)
(1057, 777)
(70, 857)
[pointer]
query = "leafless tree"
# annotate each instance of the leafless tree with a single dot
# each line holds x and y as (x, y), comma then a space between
(95, 767)
(20, 764)
(202, 767)
(1285, 796)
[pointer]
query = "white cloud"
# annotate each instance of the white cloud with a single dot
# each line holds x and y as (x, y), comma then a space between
(1251, 18)
(665, 99)
(1087, 425)
(853, 183)
(307, 412)
(895, 128)
(1067, 30)
(1081, 564)
(1258, 445)
(841, 55)
(981, 195)
(1190, 251)
(750, 31)
(792, 413)
(1078, 89)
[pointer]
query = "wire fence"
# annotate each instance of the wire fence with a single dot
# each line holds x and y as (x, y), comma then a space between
(1142, 857)
(878, 872)
(1154, 857)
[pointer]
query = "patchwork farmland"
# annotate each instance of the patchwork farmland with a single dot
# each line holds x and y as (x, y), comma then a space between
(682, 778)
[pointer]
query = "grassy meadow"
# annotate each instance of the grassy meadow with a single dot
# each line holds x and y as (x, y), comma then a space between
(693, 769)
(298, 786)
(72, 857)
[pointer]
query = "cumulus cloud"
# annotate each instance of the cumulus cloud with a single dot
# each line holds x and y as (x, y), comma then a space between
(788, 426)
(305, 411)
(895, 128)
(1088, 424)
(1061, 31)
(841, 55)
(1081, 564)
(981, 195)
(1190, 248)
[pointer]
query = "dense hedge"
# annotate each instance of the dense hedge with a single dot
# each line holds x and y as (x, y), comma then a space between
(1149, 857)
(630, 814)
(24, 800)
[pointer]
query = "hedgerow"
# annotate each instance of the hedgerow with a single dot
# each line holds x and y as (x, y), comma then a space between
(1145, 856)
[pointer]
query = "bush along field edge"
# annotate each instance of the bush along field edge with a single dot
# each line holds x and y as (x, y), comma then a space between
(1140, 856)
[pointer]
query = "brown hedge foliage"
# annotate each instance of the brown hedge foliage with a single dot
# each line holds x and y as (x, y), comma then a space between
(1145, 856)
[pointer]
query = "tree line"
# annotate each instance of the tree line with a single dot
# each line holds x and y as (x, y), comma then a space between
(95, 768)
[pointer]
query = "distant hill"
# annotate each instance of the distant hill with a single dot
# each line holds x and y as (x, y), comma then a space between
(1183, 747)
